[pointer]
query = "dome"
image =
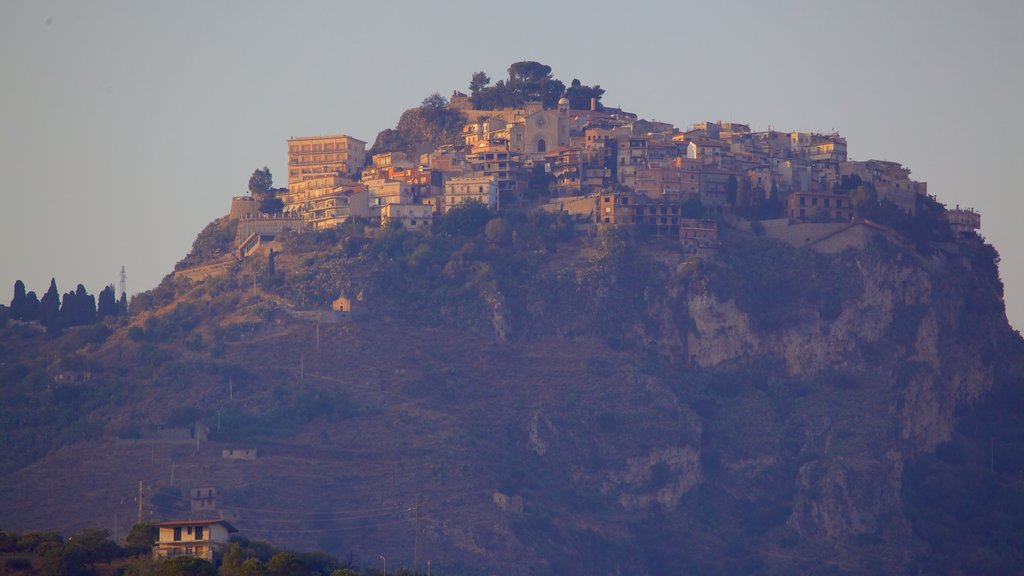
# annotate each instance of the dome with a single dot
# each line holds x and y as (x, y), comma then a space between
(563, 101)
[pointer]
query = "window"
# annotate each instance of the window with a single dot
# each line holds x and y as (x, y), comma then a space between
(177, 533)
(199, 532)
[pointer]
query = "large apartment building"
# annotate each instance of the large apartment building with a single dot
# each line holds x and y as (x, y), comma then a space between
(319, 156)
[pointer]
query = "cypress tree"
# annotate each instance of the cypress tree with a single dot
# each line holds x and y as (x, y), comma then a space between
(49, 305)
(68, 310)
(85, 307)
(122, 305)
(18, 303)
(107, 304)
(31, 311)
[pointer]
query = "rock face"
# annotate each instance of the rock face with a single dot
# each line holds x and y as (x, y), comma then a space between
(752, 412)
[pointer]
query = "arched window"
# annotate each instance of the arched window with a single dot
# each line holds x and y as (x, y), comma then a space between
(542, 146)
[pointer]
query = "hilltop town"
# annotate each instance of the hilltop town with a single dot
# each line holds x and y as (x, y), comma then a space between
(601, 165)
(526, 333)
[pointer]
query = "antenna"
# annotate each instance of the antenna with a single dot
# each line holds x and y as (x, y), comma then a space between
(124, 281)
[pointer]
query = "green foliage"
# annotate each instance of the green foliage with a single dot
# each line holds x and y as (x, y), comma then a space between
(776, 284)
(467, 219)
(252, 567)
(141, 538)
(185, 566)
(261, 183)
(579, 95)
(527, 81)
(37, 541)
(925, 227)
(287, 564)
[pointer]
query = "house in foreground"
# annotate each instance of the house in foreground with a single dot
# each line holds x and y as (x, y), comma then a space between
(206, 539)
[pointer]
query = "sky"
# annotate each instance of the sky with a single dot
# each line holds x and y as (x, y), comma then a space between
(126, 127)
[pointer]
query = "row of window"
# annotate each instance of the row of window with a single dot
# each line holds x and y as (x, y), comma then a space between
(294, 148)
(198, 533)
(827, 202)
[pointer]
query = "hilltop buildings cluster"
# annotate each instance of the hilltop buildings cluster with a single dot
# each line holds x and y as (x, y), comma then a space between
(604, 165)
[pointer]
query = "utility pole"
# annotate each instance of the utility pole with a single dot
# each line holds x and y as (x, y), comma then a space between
(416, 548)
(140, 501)
(231, 388)
(318, 336)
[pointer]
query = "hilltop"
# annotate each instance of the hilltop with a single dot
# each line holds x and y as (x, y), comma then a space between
(524, 390)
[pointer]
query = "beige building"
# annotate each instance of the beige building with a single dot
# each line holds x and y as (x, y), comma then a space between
(384, 192)
(483, 189)
(206, 539)
(963, 220)
(409, 216)
(334, 209)
(822, 205)
(318, 156)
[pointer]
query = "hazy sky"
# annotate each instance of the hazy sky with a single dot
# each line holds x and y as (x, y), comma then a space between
(125, 127)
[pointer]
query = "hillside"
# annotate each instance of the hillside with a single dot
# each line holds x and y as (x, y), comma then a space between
(555, 401)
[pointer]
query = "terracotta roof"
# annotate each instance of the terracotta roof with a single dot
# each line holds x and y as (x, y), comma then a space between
(197, 523)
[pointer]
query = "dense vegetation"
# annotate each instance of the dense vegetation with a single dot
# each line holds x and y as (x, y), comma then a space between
(530, 81)
(91, 551)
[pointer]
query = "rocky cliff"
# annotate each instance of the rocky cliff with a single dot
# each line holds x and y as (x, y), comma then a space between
(758, 409)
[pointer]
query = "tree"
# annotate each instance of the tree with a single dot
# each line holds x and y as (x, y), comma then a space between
(95, 545)
(231, 564)
(185, 566)
(272, 206)
(467, 219)
(86, 309)
(527, 81)
(579, 95)
(68, 311)
(17, 310)
(141, 538)
(528, 71)
(434, 102)
(107, 303)
(32, 305)
(252, 567)
(261, 183)
(731, 187)
(478, 82)
(49, 305)
(122, 305)
(498, 231)
(64, 560)
(287, 564)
